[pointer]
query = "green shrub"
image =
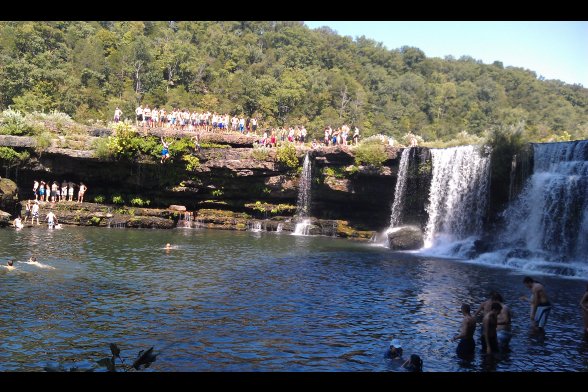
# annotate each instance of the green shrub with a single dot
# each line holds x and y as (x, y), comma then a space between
(43, 142)
(260, 153)
(126, 142)
(286, 155)
(101, 148)
(9, 154)
(118, 199)
(94, 221)
(137, 201)
(217, 193)
(337, 172)
(12, 122)
(370, 154)
(180, 146)
(192, 162)
(351, 169)
(213, 145)
(99, 199)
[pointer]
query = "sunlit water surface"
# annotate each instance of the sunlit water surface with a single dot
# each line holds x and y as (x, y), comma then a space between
(243, 301)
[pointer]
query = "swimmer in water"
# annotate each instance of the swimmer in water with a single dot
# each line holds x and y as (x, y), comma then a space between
(9, 265)
(168, 246)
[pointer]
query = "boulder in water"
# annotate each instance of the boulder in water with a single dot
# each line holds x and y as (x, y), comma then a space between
(405, 238)
(8, 195)
(4, 219)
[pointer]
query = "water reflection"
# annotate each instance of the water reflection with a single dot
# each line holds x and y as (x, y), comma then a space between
(241, 301)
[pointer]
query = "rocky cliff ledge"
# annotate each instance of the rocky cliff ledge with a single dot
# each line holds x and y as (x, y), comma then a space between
(238, 180)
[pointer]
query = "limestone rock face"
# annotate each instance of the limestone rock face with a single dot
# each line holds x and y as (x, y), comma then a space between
(4, 219)
(406, 238)
(8, 195)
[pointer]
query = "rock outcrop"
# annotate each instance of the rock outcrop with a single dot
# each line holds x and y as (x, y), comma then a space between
(405, 238)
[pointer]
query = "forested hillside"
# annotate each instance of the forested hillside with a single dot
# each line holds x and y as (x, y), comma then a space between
(281, 72)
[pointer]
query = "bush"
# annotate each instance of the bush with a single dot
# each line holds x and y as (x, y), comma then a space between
(286, 155)
(217, 193)
(101, 148)
(370, 154)
(125, 141)
(43, 141)
(260, 153)
(118, 199)
(99, 199)
(192, 162)
(12, 122)
(137, 201)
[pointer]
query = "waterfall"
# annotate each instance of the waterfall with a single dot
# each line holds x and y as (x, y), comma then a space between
(280, 227)
(255, 226)
(302, 228)
(458, 196)
(397, 205)
(549, 219)
(185, 220)
(303, 204)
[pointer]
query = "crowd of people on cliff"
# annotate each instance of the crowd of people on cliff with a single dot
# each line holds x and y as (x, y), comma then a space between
(184, 120)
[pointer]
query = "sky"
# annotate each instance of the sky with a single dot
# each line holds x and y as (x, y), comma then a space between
(554, 50)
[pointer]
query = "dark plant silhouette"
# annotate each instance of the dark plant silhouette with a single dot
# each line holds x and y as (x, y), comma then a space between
(143, 361)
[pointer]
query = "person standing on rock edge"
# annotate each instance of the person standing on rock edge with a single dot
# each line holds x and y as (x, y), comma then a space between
(70, 191)
(81, 192)
(63, 191)
(35, 187)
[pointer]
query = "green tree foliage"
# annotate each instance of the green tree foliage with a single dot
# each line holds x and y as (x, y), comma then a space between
(281, 72)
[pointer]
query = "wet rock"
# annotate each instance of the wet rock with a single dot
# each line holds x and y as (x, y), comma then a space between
(174, 207)
(406, 238)
(8, 195)
(4, 219)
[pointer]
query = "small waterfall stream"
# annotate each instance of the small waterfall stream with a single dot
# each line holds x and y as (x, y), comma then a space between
(303, 204)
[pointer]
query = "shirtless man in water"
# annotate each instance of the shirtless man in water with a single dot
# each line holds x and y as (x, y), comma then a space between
(490, 342)
(467, 345)
(504, 318)
(540, 305)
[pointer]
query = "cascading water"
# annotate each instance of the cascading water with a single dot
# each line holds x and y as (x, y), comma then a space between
(303, 204)
(546, 227)
(256, 226)
(185, 220)
(395, 217)
(458, 198)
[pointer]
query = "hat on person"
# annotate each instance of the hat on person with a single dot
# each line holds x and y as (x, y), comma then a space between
(395, 343)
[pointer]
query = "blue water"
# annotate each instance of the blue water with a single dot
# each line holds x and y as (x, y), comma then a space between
(242, 301)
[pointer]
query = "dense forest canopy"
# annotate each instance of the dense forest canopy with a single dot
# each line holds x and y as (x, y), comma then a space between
(281, 72)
